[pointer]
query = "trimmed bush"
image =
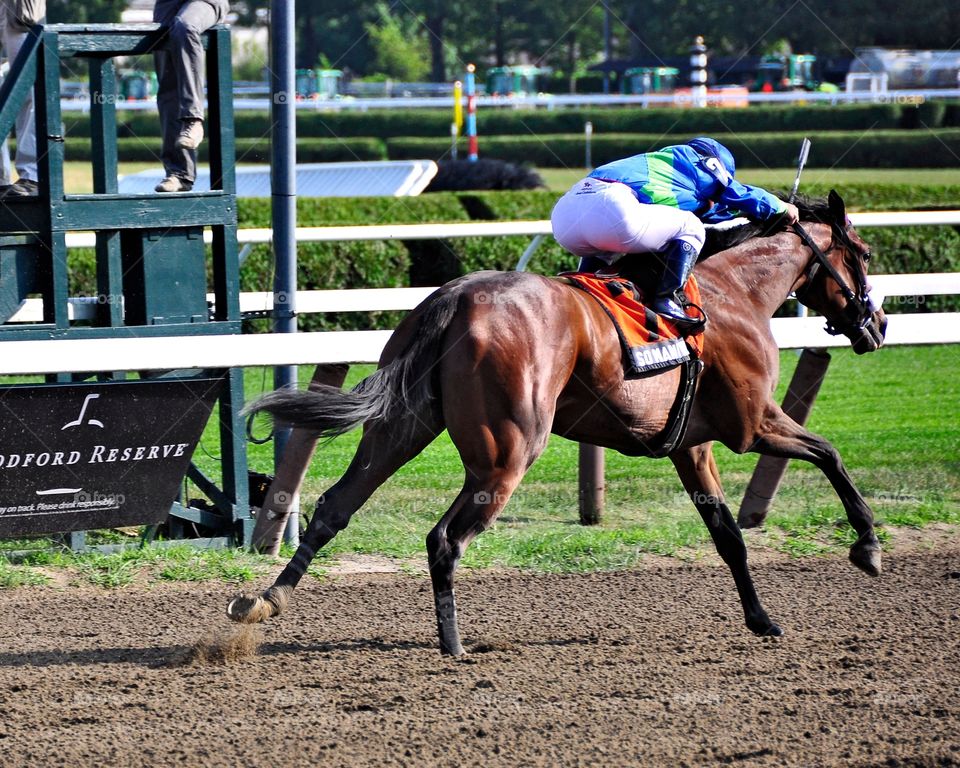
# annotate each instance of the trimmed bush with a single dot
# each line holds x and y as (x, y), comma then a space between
(395, 263)
(835, 149)
(384, 124)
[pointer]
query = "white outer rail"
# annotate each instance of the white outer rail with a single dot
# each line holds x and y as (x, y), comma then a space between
(500, 228)
(269, 349)
(222, 351)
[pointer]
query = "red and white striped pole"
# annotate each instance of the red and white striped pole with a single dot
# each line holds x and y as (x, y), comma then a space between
(470, 86)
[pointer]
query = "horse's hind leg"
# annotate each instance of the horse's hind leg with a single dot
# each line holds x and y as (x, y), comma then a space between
(496, 455)
(473, 511)
(378, 456)
(781, 436)
(698, 473)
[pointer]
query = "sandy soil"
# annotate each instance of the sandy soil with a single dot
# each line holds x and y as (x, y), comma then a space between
(646, 667)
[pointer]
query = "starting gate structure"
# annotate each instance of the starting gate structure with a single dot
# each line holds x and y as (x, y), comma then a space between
(153, 273)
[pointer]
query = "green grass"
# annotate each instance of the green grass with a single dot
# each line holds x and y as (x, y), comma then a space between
(892, 416)
(19, 576)
(167, 563)
(561, 179)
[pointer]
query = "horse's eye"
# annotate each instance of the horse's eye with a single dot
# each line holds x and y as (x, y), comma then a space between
(867, 256)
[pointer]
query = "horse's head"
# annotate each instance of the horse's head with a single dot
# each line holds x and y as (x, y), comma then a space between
(835, 282)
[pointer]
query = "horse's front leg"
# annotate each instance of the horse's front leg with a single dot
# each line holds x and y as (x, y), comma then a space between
(779, 435)
(698, 473)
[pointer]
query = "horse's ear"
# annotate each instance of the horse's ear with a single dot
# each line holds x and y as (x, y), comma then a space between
(837, 209)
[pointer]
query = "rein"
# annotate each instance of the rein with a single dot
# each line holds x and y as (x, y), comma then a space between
(859, 302)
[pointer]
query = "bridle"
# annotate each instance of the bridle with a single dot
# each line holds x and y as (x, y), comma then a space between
(859, 307)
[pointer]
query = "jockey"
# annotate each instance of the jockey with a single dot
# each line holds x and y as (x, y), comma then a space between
(657, 202)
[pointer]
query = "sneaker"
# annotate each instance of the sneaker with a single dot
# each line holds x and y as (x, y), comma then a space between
(22, 188)
(191, 134)
(173, 184)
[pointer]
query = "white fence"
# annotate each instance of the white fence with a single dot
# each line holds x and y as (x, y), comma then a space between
(221, 351)
(553, 101)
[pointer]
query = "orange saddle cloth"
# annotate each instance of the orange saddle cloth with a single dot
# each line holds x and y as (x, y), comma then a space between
(649, 341)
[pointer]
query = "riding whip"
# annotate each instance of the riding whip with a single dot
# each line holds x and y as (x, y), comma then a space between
(804, 154)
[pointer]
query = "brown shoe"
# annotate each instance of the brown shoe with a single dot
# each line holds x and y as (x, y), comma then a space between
(173, 184)
(191, 134)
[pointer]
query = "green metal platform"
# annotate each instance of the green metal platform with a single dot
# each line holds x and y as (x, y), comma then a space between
(153, 271)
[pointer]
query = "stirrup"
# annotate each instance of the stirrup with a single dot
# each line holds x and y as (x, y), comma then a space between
(672, 310)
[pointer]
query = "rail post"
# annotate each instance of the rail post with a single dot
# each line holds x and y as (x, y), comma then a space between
(591, 484)
(797, 404)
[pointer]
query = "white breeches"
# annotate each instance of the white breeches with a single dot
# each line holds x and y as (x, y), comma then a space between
(604, 219)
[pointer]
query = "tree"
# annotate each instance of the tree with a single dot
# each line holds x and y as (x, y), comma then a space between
(90, 11)
(397, 44)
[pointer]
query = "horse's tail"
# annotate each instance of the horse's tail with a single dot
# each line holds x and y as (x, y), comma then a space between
(395, 394)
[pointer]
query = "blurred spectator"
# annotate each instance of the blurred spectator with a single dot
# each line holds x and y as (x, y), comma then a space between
(16, 17)
(180, 85)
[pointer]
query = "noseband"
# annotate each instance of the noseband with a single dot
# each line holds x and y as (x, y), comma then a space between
(859, 308)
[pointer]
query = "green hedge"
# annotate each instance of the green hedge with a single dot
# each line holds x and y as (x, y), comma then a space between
(248, 150)
(839, 149)
(384, 124)
(395, 263)
(835, 149)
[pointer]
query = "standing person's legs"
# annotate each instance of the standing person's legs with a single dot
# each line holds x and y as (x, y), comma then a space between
(180, 96)
(25, 126)
(179, 165)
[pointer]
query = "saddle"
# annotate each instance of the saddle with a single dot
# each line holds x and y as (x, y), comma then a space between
(650, 342)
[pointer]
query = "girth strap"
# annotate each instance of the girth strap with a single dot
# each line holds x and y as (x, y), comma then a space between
(679, 420)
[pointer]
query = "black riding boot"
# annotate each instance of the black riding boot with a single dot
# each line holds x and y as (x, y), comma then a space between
(591, 264)
(679, 259)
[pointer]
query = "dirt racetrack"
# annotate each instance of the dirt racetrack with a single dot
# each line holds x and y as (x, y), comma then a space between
(645, 667)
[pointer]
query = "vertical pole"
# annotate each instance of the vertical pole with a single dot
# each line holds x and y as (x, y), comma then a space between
(103, 130)
(698, 72)
(283, 495)
(606, 48)
(457, 125)
(470, 86)
(587, 149)
(591, 484)
(797, 404)
(284, 201)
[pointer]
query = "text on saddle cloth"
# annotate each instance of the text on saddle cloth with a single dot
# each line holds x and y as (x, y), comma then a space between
(649, 341)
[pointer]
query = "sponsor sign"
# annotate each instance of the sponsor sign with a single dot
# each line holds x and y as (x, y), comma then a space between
(100, 455)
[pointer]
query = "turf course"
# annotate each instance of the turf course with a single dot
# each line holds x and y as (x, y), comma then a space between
(891, 415)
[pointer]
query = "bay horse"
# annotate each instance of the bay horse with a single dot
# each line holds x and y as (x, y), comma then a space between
(502, 359)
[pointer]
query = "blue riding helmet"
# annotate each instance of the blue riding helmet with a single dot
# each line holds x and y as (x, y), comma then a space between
(717, 160)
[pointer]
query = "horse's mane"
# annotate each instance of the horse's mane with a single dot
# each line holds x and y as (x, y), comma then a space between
(722, 238)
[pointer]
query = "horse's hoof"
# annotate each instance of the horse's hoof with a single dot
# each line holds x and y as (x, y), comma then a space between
(746, 520)
(773, 631)
(248, 609)
(764, 627)
(867, 558)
